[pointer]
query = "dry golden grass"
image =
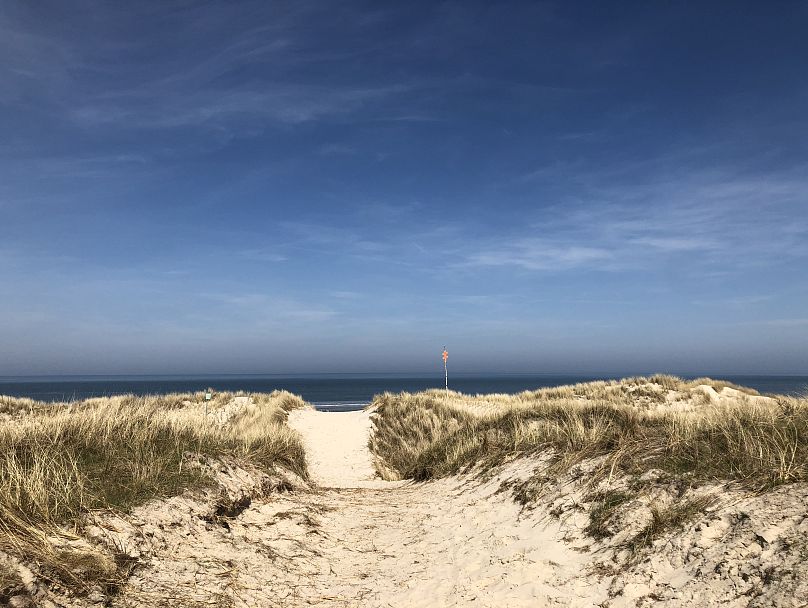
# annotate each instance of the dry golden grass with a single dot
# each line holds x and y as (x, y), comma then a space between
(57, 462)
(19, 405)
(632, 426)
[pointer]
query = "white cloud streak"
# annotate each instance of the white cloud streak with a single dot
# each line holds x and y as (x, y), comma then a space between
(706, 219)
(264, 310)
(190, 85)
(537, 254)
(282, 103)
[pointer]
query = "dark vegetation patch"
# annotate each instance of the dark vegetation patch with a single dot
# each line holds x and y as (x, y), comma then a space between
(666, 519)
(603, 509)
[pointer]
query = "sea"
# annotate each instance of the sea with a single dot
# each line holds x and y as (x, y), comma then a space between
(332, 392)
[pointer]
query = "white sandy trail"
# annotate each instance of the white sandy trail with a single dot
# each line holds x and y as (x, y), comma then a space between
(436, 544)
(337, 447)
(359, 541)
(356, 541)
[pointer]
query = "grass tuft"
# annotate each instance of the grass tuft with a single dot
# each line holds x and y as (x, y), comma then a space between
(666, 519)
(9, 580)
(600, 515)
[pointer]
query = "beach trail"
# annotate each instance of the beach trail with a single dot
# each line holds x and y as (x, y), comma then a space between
(337, 448)
(443, 543)
(352, 539)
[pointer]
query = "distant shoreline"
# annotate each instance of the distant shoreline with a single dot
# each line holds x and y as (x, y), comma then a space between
(334, 392)
(377, 375)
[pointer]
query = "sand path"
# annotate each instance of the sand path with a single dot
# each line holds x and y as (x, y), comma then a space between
(445, 543)
(337, 448)
(358, 541)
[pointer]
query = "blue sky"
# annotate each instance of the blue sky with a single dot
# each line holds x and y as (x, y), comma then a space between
(249, 187)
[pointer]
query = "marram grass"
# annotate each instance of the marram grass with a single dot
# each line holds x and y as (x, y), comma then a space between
(58, 461)
(631, 426)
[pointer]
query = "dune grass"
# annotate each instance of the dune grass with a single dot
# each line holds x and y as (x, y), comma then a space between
(604, 506)
(665, 519)
(630, 426)
(59, 461)
(19, 405)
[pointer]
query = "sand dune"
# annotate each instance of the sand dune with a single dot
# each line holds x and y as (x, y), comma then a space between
(337, 451)
(345, 537)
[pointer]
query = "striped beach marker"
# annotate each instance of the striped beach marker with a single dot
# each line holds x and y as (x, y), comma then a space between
(445, 369)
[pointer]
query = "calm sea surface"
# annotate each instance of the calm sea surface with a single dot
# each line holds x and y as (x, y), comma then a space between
(335, 392)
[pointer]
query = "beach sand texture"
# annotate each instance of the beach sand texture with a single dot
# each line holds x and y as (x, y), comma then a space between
(437, 544)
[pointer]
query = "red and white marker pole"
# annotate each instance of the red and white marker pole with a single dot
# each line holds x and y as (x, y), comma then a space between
(445, 369)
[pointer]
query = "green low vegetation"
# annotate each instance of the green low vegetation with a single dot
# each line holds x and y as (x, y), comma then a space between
(59, 461)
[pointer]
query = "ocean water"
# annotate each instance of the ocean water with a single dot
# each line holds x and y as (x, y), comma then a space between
(332, 392)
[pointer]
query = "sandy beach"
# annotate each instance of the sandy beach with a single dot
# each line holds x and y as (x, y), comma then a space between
(438, 544)
(355, 540)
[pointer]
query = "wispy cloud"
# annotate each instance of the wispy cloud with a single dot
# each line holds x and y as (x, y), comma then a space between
(740, 302)
(706, 218)
(797, 322)
(28, 58)
(331, 239)
(310, 173)
(97, 166)
(336, 149)
(674, 244)
(263, 309)
(536, 254)
(709, 225)
(276, 102)
(262, 255)
(239, 82)
(346, 295)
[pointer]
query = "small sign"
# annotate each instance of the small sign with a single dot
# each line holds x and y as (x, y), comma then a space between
(208, 396)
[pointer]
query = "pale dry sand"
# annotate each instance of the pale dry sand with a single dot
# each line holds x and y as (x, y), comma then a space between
(445, 543)
(337, 448)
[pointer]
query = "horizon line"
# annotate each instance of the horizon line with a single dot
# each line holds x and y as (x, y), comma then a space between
(387, 374)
